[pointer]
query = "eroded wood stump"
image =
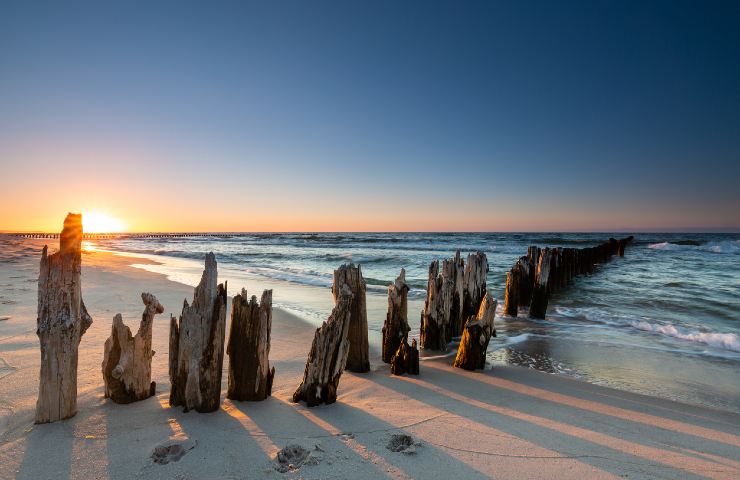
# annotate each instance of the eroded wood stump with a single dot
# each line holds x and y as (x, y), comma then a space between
(328, 355)
(62, 320)
(406, 358)
(250, 375)
(474, 285)
(197, 345)
(471, 354)
(396, 326)
(443, 304)
(358, 359)
(127, 360)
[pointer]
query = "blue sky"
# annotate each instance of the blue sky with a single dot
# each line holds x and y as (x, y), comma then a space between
(592, 115)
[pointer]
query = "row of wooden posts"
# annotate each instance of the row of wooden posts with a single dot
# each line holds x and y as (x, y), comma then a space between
(541, 272)
(458, 303)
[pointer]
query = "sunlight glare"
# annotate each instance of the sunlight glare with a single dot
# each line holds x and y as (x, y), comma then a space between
(97, 222)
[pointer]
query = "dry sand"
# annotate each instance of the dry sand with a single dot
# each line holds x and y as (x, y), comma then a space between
(507, 422)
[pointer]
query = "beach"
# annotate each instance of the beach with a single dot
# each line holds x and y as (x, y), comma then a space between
(504, 422)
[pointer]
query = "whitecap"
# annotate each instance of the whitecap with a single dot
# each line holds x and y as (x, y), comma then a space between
(726, 341)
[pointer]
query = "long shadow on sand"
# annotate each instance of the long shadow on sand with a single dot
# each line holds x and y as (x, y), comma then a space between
(549, 425)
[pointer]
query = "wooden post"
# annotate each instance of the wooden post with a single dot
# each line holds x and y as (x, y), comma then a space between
(511, 299)
(474, 281)
(328, 355)
(127, 360)
(359, 350)
(541, 286)
(453, 273)
(62, 320)
(396, 326)
(471, 354)
(250, 375)
(406, 358)
(197, 345)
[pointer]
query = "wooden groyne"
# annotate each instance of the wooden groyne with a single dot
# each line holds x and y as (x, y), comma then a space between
(543, 271)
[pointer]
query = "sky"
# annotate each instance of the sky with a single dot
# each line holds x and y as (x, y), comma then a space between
(371, 115)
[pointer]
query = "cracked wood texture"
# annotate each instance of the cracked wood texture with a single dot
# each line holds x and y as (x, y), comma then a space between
(127, 360)
(197, 345)
(443, 303)
(62, 320)
(474, 286)
(358, 359)
(396, 327)
(471, 354)
(250, 375)
(328, 355)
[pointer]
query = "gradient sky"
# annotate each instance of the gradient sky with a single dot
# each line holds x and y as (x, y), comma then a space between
(371, 115)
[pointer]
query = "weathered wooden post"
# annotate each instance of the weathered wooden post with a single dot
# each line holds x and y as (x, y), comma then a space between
(127, 360)
(511, 299)
(328, 355)
(541, 285)
(62, 320)
(197, 345)
(474, 285)
(479, 329)
(406, 358)
(396, 326)
(358, 359)
(250, 375)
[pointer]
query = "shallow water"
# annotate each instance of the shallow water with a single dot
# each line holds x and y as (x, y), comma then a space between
(664, 320)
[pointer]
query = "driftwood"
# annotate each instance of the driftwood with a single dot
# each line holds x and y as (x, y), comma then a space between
(127, 360)
(250, 375)
(328, 355)
(471, 354)
(396, 326)
(406, 358)
(61, 322)
(474, 285)
(197, 345)
(358, 359)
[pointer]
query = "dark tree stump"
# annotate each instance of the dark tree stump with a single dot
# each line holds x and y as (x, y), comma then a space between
(197, 345)
(479, 329)
(62, 320)
(406, 358)
(443, 303)
(328, 355)
(396, 326)
(127, 360)
(250, 375)
(358, 359)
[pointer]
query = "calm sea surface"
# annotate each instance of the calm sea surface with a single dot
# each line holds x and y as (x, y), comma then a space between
(664, 320)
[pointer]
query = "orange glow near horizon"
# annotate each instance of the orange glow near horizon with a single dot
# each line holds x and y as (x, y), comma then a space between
(98, 222)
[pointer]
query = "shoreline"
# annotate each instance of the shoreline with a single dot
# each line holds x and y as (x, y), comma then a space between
(509, 421)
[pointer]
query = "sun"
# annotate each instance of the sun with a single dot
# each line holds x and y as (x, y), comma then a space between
(97, 222)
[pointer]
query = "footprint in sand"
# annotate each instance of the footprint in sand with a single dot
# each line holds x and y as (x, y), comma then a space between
(401, 443)
(171, 452)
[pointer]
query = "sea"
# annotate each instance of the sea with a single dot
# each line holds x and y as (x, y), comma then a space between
(663, 320)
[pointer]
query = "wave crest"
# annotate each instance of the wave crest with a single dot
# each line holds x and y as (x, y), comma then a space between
(726, 341)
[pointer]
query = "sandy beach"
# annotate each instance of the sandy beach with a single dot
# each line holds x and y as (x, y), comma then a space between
(507, 422)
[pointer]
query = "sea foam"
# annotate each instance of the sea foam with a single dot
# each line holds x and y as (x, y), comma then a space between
(726, 341)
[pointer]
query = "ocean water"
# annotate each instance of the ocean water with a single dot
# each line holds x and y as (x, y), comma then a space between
(664, 320)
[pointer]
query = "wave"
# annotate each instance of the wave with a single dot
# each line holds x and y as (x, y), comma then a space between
(725, 246)
(725, 341)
